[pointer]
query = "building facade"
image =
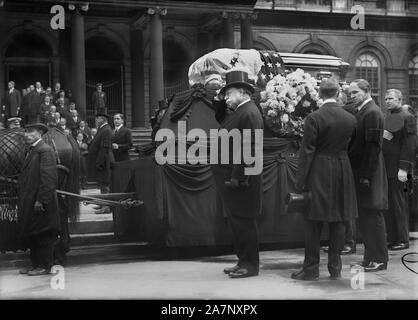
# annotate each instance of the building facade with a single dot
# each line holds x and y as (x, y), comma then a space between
(141, 50)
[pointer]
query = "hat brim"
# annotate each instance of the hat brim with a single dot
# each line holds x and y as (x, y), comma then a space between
(13, 119)
(102, 115)
(238, 85)
(38, 126)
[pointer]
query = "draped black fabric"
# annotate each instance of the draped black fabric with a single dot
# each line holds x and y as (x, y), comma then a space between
(183, 208)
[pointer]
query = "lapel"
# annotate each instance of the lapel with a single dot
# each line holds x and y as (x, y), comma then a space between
(365, 107)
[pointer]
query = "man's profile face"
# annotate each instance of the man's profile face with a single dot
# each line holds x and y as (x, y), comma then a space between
(392, 102)
(32, 135)
(233, 97)
(117, 120)
(100, 121)
(11, 85)
(356, 94)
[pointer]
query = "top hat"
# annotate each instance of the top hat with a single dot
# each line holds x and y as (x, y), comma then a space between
(38, 126)
(102, 115)
(237, 79)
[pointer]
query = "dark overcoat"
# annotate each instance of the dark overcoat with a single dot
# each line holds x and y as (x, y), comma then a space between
(99, 101)
(13, 101)
(244, 201)
(123, 138)
(399, 152)
(366, 158)
(324, 167)
(38, 182)
(100, 156)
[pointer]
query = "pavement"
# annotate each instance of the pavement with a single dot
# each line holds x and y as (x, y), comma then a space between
(139, 271)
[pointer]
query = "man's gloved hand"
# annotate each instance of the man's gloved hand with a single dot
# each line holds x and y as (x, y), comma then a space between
(39, 207)
(365, 182)
(402, 175)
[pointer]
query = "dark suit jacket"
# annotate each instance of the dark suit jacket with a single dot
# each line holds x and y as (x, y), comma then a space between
(366, 158)
(123, 138)
(12, 102)
(100, 155)
(244, 201)
(324, 167)
(399, 152)
(31, 104)
(99, 101)
(38, 182)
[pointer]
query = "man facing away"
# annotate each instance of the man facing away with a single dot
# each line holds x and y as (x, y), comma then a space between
(324, 170)
(399, 154)
(369, 171)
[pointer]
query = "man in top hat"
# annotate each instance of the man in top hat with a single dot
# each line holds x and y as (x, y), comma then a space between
(399, 154)
(38, 205)
(14, 122)
(240, 193)
(99, 99)
(100, 156)
(324, 170)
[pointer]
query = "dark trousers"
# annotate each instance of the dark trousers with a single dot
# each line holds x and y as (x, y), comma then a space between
(312, 246)
(373, 232)
(245, 237)
(396, 217)
(350, 232)
(104, 187)
(62, 246)
(42, 249)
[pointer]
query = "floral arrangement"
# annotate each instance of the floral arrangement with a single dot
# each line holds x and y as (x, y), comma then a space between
(287, 100)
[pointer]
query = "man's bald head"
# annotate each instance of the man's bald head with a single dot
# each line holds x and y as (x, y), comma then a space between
(329, 88)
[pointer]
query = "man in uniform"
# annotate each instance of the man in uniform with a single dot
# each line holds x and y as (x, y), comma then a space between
(369, 171)
(241, 193)
(100, 155)
(399, 155)
(38, 205)
(99, 99)
(324, 170)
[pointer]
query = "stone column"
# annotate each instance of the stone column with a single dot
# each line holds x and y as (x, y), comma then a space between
(78, 63)
(137, 56)
(156, 53)
(247, 41)
(228, 30)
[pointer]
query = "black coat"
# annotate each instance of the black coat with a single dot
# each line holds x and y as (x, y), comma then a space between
(12, 102)
(399, 152)
(366, 158)
(98, 100)
(244, 201)
(123, 138)
(100, 155)
(38, 182)
(324, 167)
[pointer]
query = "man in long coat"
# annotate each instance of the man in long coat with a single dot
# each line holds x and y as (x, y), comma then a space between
(100, 156)
(122, 139)
(38, 216)
(99, 99)
(399, 154)
(369, 171)
(12, 100)
(241, 193)
(324, 170)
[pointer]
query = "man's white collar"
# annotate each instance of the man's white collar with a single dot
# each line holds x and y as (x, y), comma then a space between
(329, 100)
(242, 103)
(364, 103)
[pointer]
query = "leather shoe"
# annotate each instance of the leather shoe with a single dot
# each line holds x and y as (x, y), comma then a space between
(375, 266)
(26, 270)
(38, 272)
(231, 269)
(360, 264)
(302, 275)
(399, 246)
(348, 250)
(242, 273)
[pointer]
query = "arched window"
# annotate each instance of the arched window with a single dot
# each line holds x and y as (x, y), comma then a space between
(413, 81)
(368, 67)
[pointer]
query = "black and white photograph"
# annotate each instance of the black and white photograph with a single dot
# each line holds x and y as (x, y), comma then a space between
(210, 155)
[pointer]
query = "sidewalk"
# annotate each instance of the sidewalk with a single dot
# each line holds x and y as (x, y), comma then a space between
(133, 271)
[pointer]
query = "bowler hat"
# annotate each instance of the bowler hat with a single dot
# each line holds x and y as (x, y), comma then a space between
(237, 79)
(38, 126)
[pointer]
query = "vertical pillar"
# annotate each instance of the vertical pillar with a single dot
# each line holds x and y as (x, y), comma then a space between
(65, 58)
(228, 30)
(203, 42)
(247, 41)
(156, 52)
(137, 55)
(78, 63)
